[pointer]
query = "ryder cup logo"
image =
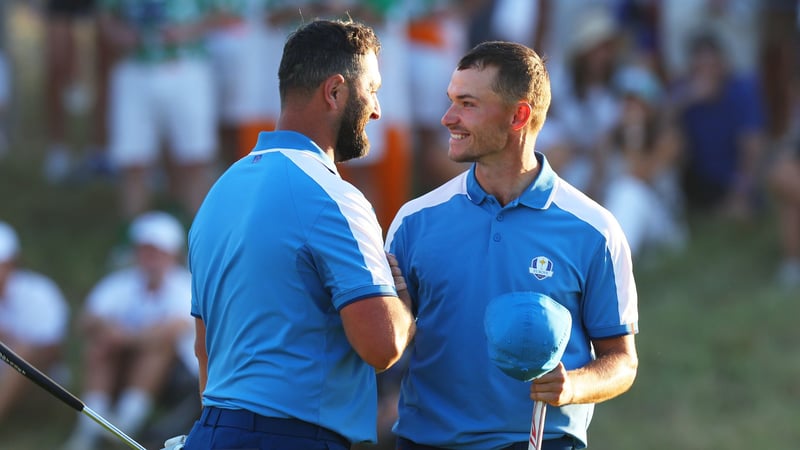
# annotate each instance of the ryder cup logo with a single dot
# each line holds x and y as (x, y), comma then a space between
(541, 268)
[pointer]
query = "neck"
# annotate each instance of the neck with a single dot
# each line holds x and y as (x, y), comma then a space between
(303, 117)
(508, 178)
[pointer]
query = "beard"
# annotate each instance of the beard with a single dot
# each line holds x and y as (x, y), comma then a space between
(352, 141)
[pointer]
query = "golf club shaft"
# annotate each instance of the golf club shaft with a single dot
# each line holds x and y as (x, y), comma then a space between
(32, 373)
(537, 426)
(111, 428)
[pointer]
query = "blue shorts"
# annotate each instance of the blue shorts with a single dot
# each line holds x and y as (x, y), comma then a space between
(228, 429)
(563, 443)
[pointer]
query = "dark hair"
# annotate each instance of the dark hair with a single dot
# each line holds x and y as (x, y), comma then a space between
(521, 74)
(322, 48)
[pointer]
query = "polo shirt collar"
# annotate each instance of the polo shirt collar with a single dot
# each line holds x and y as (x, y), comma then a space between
(537, 196)
(292, 140)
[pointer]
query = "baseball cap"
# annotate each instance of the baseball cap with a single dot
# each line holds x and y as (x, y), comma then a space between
(527, 333)
(9, 242)
(639, 82)
(158, 229)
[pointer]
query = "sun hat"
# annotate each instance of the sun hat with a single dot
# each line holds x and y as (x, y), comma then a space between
(159, 229)
(9, 242)
(527, 333)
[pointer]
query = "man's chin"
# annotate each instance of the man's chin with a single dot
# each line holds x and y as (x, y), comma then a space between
(459, 157)
(343, 157)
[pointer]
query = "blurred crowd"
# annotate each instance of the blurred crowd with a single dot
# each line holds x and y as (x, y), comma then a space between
(661, 109)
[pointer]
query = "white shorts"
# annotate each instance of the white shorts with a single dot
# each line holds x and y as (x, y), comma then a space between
(171, 103)
(245, 61)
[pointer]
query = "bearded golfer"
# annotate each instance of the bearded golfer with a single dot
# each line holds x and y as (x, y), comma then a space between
(295, 302)
(508, 224)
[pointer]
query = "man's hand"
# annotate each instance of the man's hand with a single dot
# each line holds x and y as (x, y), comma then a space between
(553, 388)
(397, 274)
(399, 281)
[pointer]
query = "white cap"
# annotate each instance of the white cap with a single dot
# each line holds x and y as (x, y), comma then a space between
(158, 229)
(9, 243)
(593, 27)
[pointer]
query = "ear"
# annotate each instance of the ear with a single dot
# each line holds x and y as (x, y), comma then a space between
(522, 116)
(335, 91)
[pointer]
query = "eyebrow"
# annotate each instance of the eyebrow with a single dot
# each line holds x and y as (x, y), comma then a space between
(463, 97)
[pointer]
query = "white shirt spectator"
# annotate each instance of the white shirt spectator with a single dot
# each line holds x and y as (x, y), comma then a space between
(33, 310)
(123, 298)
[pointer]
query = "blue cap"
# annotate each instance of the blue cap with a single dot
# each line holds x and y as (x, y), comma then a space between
(527, 333)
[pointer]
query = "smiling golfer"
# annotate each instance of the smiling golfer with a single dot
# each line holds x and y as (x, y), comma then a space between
(509, 224)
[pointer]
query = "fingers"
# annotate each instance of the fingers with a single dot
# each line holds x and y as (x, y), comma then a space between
(397, 274)
(553, 387)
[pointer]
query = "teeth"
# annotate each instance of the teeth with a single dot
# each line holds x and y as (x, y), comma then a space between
(457, 137)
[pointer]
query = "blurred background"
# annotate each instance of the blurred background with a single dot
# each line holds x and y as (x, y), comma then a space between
(681, 117)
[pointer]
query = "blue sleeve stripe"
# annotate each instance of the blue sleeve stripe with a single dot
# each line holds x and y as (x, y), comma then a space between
(367, 292)
(614, 331)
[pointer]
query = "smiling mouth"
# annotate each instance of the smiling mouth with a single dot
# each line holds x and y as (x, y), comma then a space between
(458, 136)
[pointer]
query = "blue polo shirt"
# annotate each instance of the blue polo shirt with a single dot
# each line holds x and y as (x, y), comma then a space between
(279, 246)
(458, 248)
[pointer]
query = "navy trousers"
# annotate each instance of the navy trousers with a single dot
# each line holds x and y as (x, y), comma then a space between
(229, 429)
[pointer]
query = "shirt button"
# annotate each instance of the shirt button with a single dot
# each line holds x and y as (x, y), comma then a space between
(500, 217)
(497, 237)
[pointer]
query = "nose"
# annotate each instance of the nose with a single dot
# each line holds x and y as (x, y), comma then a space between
(376, 112)
(449, 117)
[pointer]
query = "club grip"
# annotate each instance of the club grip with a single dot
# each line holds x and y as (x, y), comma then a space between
(35, 375)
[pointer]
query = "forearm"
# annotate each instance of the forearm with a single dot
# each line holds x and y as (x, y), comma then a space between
(604, 378)
(610, 374)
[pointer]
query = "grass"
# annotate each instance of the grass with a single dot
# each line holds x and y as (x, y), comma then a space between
(717, 350)
(718, 342)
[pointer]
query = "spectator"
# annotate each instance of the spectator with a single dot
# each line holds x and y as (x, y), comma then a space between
(33, 319)
(644, 192)
(523, 21)
(721, 116)
(161, 88)
(133, 323)
(735, 22)
(63, 92)
(245, 84)
(585, 102)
